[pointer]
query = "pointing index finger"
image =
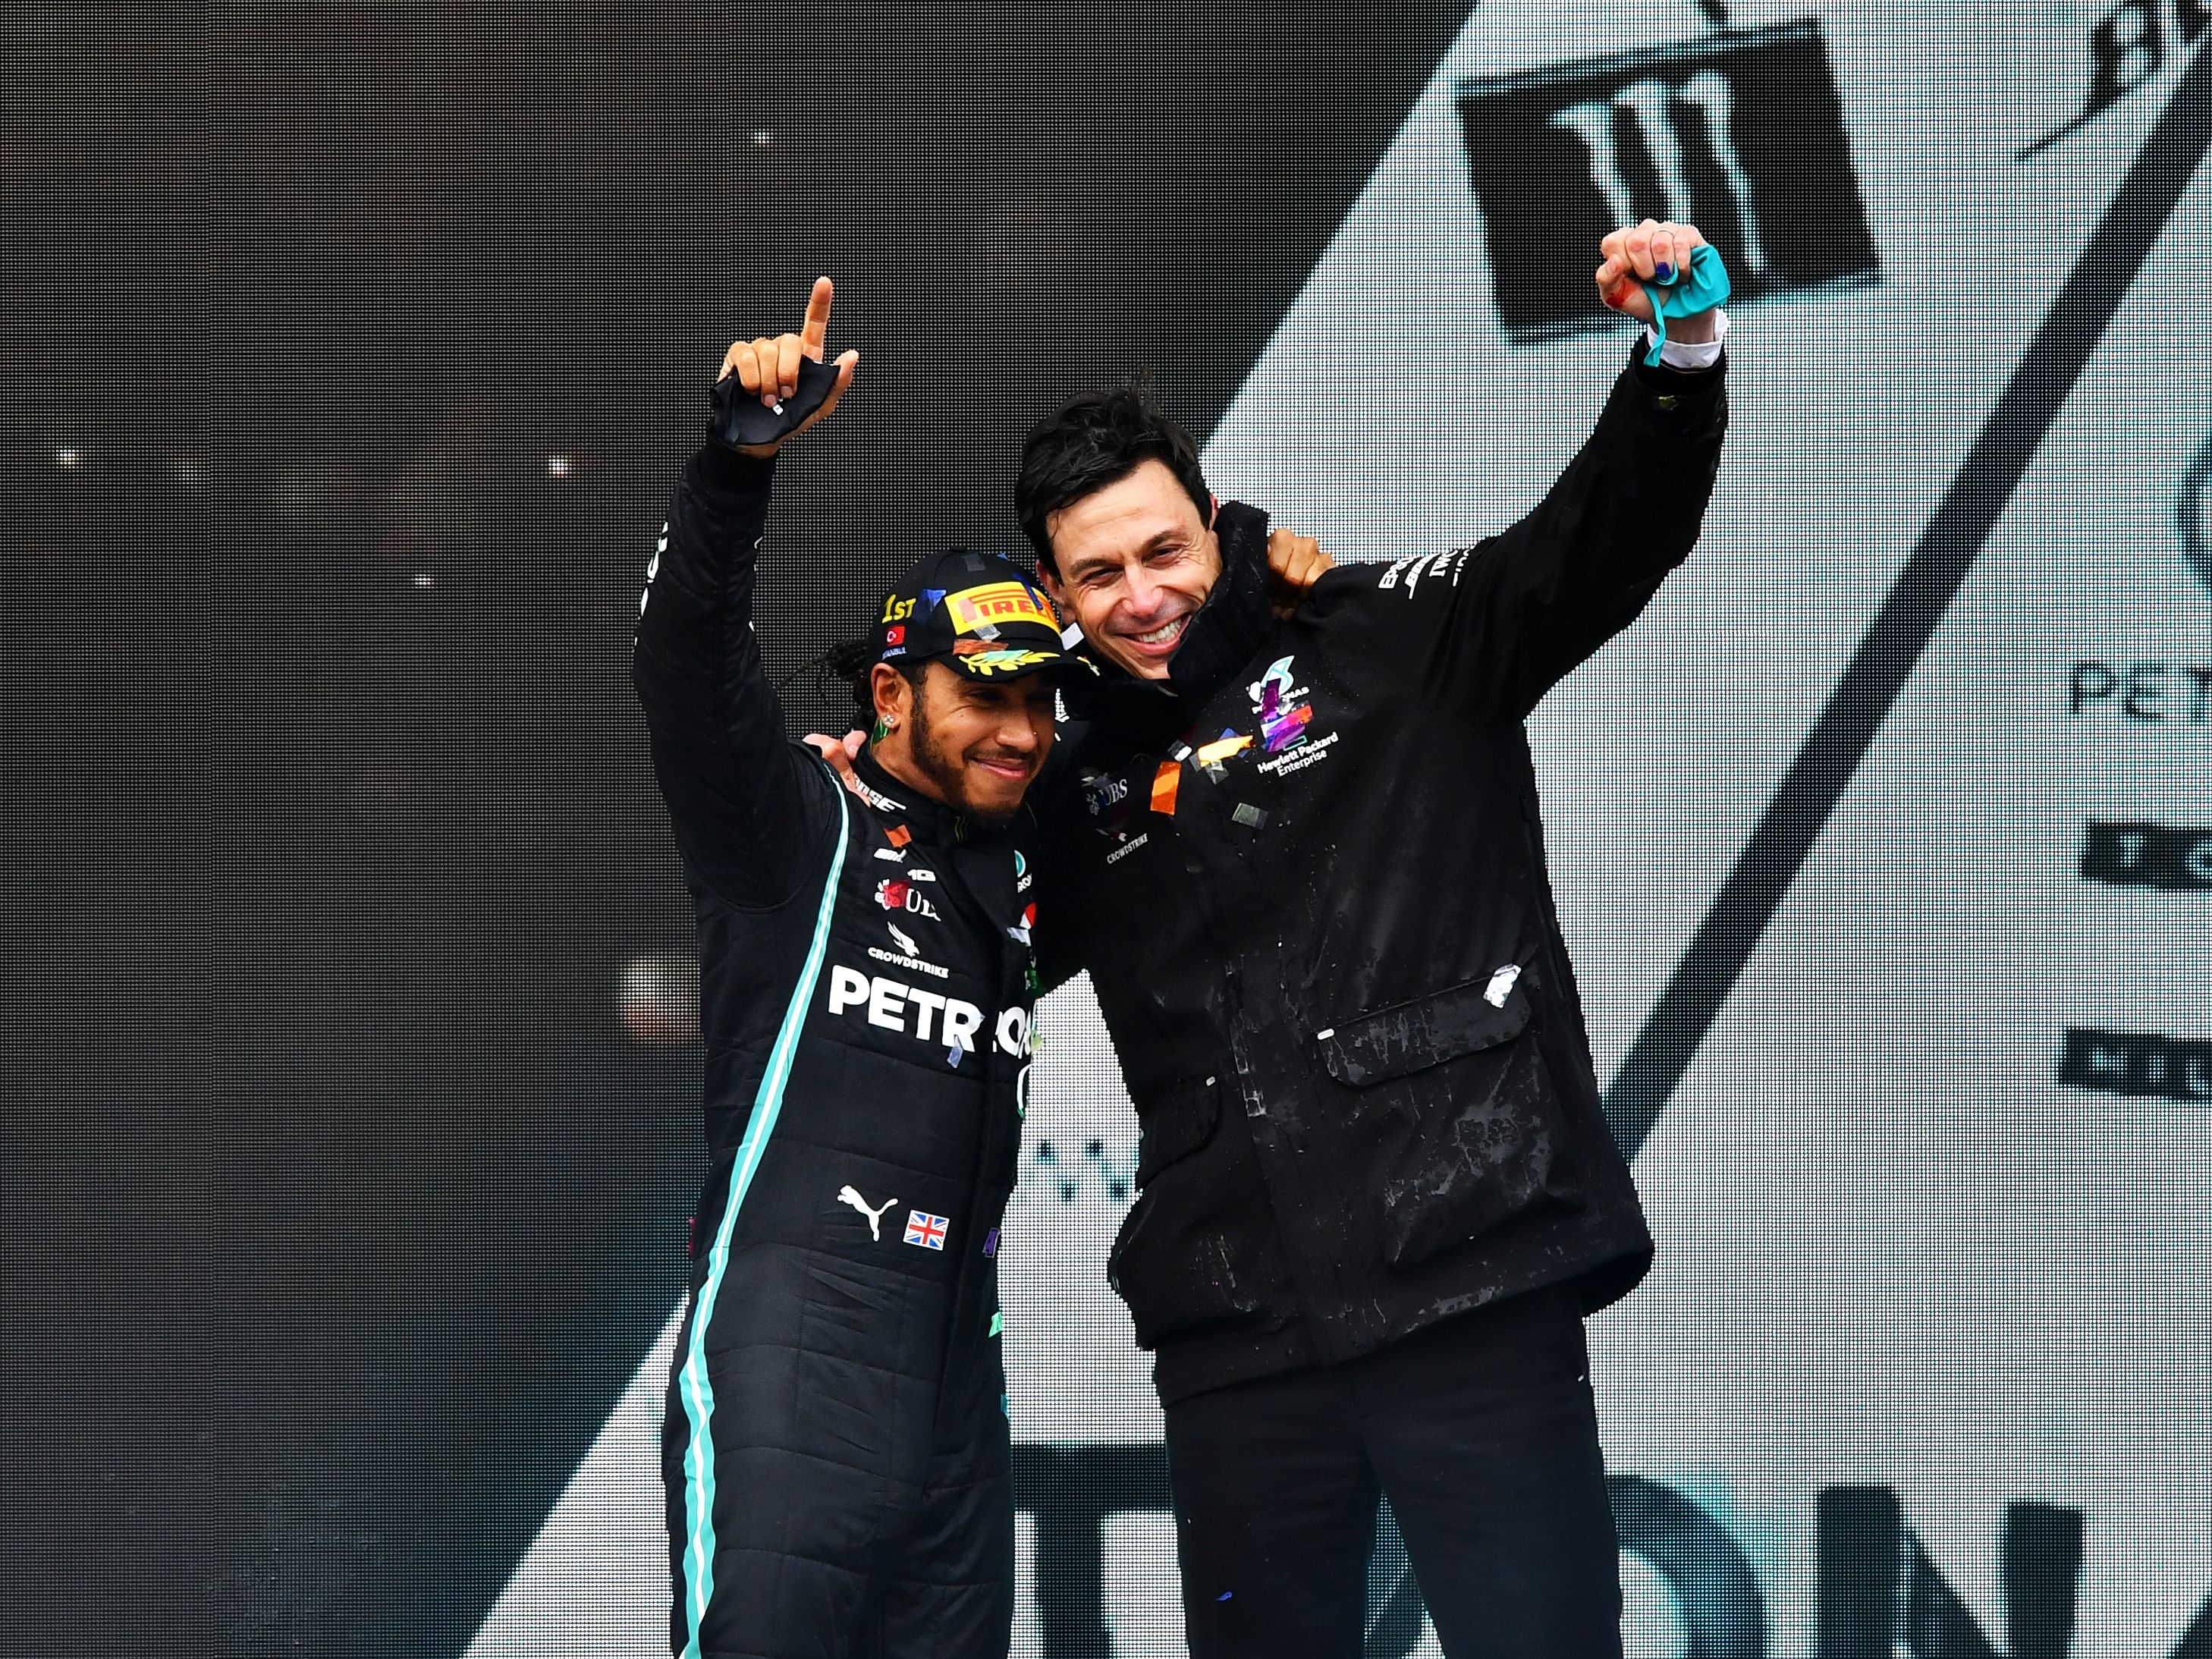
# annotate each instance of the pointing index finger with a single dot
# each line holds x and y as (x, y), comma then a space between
(818, 318)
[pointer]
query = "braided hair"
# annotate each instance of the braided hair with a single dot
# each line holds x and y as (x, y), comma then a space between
(851, 663)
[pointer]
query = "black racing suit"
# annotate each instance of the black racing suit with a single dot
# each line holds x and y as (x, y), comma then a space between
(836, 1450)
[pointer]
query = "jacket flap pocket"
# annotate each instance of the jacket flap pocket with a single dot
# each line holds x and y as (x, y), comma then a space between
(1179, 1121)
(1408, 1036)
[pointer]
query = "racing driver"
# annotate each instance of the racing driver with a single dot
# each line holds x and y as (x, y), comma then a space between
(839, 1477)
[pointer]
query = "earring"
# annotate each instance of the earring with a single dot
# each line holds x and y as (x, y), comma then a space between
(883, 725)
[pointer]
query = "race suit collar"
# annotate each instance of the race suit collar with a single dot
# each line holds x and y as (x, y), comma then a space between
(1232, 625)
(930, 821)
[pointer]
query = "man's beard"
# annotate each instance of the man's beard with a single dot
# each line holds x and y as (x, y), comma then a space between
(944, 770)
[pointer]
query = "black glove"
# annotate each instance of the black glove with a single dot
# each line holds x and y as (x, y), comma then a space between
(739, 417)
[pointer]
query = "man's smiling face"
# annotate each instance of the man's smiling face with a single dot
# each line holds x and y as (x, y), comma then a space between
(1135, 560)
(974, 744)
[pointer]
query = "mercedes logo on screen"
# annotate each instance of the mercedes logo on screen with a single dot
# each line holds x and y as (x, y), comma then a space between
(2193, 513)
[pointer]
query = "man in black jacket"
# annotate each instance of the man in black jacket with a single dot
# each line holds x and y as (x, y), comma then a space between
(1306, 870)
(836, 1449)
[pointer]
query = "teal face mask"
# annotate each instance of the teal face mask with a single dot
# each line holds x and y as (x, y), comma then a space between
(1703, 285)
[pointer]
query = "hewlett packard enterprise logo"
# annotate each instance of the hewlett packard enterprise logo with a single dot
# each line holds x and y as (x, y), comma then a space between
(1739, 132)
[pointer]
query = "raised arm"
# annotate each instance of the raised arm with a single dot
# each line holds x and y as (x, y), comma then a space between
(736, 790)
(1514, 615)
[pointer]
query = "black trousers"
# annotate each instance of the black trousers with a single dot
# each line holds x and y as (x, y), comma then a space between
(1482, 1433)
(852, 1495)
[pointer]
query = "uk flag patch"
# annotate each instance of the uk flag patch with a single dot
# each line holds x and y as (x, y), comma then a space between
(925, 1230)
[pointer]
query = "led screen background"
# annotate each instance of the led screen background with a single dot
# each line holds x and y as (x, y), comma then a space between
(353, 364)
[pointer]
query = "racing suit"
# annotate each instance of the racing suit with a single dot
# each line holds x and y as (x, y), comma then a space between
(839, 1477)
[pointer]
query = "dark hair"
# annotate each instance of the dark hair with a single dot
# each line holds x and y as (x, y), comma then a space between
(1094, 440)
(851, 664)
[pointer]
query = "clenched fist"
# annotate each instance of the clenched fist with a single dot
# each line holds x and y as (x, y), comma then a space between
(769, 367)
(1294, 565)
(1655, 251)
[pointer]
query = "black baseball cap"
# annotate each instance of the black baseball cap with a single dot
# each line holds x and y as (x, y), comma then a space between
(973, 611)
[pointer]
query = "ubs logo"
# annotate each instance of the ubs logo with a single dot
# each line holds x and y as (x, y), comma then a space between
(1739, 132)
(2193, 514)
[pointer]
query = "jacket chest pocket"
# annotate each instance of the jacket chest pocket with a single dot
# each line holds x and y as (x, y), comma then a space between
(1413, 1035)
(1454, 1110)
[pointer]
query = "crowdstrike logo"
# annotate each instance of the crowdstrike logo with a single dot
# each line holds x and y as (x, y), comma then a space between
(907, 955)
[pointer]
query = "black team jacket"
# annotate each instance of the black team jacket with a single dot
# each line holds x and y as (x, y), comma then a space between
(1310, 887)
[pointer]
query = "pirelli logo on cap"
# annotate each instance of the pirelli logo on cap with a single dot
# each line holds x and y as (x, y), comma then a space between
(996, 604)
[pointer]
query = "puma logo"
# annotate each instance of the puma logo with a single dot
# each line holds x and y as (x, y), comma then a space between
(847, 1196)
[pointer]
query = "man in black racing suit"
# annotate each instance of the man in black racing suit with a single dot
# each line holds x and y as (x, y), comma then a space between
(836, 1449)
